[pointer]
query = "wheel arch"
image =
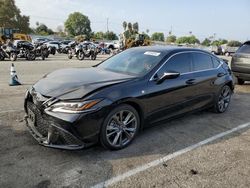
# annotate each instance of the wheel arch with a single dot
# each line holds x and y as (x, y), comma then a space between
(137, 107)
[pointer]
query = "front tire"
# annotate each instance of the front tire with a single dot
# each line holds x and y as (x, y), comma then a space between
(80, 56)
(223, 100)
(120, 127)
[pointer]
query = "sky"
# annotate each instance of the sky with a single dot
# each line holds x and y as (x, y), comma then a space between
(227, 19)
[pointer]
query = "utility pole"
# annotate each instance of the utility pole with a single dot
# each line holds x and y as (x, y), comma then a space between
(107, 25)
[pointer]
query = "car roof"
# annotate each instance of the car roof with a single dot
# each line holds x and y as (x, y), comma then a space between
(247, 42)
(169, 49)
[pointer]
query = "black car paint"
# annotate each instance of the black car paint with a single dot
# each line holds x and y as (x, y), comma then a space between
(154, 102)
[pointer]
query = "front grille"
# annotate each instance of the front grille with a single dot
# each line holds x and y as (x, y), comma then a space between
(41, 125)
(52, 134)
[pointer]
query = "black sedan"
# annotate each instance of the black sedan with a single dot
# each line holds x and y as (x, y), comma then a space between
(110, 102)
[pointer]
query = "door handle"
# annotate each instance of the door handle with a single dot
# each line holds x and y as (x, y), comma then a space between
(221, 74)
(190, 81)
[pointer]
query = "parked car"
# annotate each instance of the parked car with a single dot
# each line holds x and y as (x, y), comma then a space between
(240, 63)
(228, 50)
(217, 50)
(113, 45)
(77, 107)
(55, 44)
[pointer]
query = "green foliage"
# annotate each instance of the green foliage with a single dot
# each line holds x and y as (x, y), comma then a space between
(10, 17)
(234, 43)
(158, 36)
(171, 39)
(42, 29)
(147, 37)
(206, 42)
(111, 36)
(132, 30)
(108, 35)
(78, 24)
(219, 42)
(187, 40)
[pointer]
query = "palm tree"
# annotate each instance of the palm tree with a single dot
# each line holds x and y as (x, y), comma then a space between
(124, 24)
(136, 27)
(130, 28)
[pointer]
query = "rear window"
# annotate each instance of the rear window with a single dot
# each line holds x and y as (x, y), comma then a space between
(245, 48)
(202, 62)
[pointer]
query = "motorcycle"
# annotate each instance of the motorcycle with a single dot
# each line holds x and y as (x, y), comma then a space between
(41, 50)
(90, 50)
(1, 54)
(52, 50)
(8, 51)
(76, 50)
(26, 50)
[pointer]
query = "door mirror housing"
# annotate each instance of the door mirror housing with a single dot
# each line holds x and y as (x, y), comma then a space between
(168, 75)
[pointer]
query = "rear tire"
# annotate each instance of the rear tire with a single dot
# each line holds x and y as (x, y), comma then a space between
(223, 99)
(120, 127)
(240, 81)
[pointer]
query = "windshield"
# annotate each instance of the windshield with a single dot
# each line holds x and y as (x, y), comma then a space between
(133, 61)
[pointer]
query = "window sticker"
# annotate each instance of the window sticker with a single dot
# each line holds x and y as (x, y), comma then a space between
(152, 53)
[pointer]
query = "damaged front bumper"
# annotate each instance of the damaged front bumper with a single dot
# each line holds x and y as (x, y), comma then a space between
(47, 133)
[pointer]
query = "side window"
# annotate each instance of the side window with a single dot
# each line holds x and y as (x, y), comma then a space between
(180, 63)
(202, 62)
(216, 62)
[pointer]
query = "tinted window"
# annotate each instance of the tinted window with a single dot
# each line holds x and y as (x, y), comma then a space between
(202, 62)
(216, 62)
(244, 49)
(180, 63)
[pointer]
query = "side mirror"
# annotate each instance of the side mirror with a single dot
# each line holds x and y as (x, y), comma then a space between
(168, 75)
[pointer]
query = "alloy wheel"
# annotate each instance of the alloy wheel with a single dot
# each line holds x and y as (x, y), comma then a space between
(121, 128)
(224, 99)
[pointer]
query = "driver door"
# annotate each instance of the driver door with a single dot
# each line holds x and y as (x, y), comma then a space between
(173, 96)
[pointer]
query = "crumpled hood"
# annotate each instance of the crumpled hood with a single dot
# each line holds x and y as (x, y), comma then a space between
(75, 83)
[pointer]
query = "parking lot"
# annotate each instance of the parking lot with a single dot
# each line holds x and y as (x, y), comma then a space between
(222, 162)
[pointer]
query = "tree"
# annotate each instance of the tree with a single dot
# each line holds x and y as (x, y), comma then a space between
(234, 43)
(10, 17)
(171, 39)
(219, 42)
(78, 24)
(130, 27)
(147, 31)
(99, 35)
(42, 29)
(136, 27)
(110, 36)
(124, 24)
(157, 36)
(206, 42)
(187, 40)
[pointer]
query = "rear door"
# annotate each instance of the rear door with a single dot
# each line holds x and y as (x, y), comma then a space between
(205, 72)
